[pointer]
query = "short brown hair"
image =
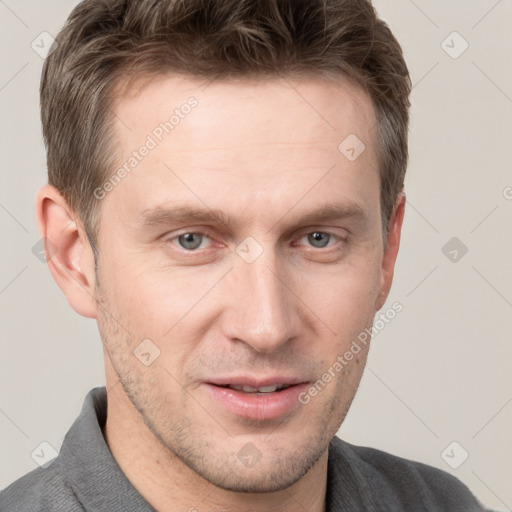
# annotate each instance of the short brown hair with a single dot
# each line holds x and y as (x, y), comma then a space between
(107, 42)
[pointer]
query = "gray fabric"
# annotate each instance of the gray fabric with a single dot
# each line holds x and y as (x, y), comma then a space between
(85, 477)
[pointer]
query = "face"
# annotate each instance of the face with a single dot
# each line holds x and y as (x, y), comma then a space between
(243, 248)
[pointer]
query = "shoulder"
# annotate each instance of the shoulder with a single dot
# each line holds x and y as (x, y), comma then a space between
(43, 489)
(413, 485)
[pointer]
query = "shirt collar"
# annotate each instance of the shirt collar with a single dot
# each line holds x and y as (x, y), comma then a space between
(90, 468)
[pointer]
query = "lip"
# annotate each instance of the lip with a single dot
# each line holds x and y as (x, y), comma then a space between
(255, 382)
(257, 407)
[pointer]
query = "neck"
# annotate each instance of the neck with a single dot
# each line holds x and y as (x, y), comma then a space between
(167, 484)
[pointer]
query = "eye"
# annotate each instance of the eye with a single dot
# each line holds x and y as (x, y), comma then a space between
(190, 241)
(319, 239)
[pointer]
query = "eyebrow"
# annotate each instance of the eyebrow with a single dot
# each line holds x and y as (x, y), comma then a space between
(161, 215)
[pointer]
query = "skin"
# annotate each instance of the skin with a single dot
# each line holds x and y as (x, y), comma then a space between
(264, 152)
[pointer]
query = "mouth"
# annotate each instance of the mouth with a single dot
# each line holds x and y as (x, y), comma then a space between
(263, 390)
(255, 400)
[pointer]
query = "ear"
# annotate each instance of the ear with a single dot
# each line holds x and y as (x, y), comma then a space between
(391, 251)
(68, 253)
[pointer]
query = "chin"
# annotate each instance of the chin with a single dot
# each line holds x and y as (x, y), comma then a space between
(262, 481)
(279, 471)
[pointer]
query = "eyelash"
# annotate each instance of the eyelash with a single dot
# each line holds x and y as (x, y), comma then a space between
(334, 236)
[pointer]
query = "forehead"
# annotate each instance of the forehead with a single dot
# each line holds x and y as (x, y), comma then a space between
(246, 143)
(247, 107)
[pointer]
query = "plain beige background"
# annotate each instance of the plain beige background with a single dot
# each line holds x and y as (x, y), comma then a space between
(439, 373)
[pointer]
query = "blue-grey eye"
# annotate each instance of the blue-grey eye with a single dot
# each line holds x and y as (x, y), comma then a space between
(318, 239)
(190, 240)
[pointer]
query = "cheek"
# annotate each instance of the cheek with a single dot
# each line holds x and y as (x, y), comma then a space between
(146, 296)
(161, 305)
(343, 298)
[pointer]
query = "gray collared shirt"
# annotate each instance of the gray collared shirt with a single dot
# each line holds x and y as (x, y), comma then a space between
(86, 477)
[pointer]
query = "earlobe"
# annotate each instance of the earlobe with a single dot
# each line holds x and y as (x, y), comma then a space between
(391, 251)
(69, 254)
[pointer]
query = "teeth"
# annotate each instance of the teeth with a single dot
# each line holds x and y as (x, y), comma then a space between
(249, 389)
(263, 389)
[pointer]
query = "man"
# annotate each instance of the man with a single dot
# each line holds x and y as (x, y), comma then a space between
(226, 199)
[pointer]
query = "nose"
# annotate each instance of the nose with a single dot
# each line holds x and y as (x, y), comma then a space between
(263, 310)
